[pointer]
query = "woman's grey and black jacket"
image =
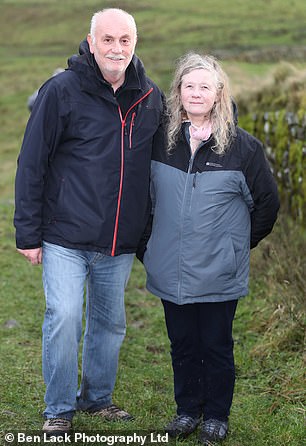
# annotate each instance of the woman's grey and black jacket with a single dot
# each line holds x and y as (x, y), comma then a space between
(209, 210)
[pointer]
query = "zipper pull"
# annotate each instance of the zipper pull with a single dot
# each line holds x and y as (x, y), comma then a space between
(194, 180)
(131, 128)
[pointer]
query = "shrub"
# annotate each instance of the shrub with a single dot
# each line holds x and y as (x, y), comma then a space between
(286, 89)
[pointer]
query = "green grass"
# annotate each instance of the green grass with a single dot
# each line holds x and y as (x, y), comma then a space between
(268, 403)
(250, 37)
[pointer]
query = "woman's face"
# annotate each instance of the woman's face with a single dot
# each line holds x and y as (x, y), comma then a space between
(198, 93)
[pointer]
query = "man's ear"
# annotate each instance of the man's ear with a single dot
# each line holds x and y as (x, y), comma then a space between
(90, 43)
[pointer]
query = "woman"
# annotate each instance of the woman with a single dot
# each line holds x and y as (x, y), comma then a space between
(214, 198)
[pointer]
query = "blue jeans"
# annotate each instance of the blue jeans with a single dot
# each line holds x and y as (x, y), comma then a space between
(65, 274)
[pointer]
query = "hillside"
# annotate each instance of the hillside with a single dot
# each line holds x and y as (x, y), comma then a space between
(254, 41)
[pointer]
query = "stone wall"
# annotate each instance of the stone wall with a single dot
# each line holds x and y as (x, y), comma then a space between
(284, 137)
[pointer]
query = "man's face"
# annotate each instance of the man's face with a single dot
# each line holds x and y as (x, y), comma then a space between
(113, 45)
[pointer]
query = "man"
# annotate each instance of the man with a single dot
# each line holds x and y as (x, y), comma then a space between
(82, 188)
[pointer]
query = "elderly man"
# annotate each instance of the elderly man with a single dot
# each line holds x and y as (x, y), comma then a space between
(82, 188)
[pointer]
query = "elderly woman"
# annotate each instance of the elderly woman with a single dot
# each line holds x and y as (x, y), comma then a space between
(214, 198)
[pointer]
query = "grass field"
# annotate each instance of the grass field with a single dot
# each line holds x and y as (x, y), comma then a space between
(268, 407)
(250, 38)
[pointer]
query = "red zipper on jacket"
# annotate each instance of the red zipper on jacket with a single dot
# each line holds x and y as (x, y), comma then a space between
(123, 123)
(131, 128)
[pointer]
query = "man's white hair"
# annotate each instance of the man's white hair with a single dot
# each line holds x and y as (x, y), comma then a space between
(98, 14)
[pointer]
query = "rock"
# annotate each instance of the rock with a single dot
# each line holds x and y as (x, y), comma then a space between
(11, 323)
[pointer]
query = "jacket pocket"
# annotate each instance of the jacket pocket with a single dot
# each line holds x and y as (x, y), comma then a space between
(209, 267)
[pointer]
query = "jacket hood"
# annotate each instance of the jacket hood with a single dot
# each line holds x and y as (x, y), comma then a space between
(82, 57)
(235, 112)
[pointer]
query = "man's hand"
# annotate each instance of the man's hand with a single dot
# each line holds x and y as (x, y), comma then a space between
(33, 255)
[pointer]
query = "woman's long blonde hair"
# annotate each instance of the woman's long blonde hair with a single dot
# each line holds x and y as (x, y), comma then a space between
(222, 115)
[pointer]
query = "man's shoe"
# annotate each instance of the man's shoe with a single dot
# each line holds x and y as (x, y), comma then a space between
(182, 426)
(57, 426)
(213, 430)
(113, 413)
